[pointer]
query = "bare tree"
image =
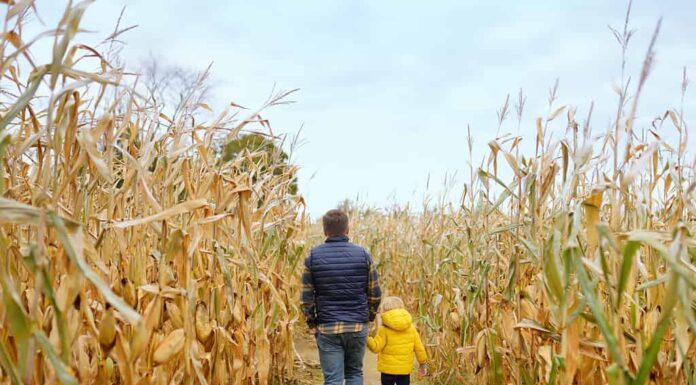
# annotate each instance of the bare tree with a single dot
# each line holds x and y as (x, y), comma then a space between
(175, 88)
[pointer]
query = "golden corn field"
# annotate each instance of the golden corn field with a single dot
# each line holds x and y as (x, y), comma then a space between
(131, 251)
(135, 248)
(577, 269)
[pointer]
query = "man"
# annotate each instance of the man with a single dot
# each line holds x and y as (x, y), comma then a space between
(340, 296)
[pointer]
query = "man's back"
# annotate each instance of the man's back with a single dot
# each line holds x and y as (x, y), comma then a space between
(340, 274)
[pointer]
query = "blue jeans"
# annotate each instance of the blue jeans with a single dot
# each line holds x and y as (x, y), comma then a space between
(341, 357)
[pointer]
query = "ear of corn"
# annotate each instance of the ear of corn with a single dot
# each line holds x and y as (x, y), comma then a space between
(562, 267)
(131, 250)
(542, 287)
(575, 264)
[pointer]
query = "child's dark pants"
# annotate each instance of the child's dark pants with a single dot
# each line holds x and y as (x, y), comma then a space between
(396, 379)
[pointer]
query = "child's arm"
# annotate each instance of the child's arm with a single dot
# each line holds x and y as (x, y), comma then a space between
(376, 343)
(421, 354)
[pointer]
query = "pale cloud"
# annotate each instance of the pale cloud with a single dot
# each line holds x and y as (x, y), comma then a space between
(389, 87)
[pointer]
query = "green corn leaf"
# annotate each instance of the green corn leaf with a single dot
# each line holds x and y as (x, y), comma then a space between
(227, 277)
(650, 354)
(19, 323)
(652, 241)
(47, 288)
(552, 274)
(496, 360)
(554, 371)
(615, 375)
(629, 251)
(4, 142)
(62, 371)
(588, 289)
(688, 373)
(8, 366)
(652, 283)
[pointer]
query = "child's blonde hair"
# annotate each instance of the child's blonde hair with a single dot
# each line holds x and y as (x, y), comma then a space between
(391, 303)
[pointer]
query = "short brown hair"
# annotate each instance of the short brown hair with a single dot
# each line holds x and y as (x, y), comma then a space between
(335, 223)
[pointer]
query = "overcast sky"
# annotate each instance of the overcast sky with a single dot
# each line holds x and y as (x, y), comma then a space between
(389, 87)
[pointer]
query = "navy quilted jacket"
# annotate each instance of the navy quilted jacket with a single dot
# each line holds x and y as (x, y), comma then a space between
(339, 271)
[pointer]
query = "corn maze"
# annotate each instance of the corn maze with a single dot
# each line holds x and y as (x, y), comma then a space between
(134, 249)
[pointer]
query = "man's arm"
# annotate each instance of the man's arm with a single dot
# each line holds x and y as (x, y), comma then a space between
(374, 293)
(307, 302)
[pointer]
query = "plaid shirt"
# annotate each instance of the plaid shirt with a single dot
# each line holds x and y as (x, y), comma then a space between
(309, 307)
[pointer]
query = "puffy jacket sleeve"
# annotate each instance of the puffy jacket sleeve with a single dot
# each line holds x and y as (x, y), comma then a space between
(421, 354)
(377, 343)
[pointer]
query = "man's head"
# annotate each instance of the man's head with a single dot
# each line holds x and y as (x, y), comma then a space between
(335, 223)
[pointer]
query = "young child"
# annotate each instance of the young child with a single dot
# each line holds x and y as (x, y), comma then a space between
(395, 343)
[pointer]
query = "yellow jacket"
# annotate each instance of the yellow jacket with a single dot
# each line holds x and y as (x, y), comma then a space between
(395, 343)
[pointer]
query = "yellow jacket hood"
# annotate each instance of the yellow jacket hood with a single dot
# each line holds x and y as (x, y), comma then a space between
(397, 319)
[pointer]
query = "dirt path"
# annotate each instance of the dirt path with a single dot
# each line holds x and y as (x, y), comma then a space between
(307, 349)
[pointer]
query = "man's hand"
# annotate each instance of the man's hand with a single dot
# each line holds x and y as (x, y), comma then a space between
(372, 328)
(312, 331)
